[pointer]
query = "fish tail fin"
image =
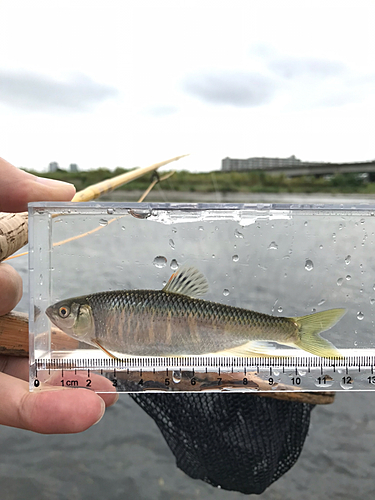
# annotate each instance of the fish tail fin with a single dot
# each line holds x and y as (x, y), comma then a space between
(311, 326)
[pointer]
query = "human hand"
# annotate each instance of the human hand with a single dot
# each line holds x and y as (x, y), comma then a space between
(58, 410)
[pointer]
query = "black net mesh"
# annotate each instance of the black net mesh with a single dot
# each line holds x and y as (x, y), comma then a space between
(241, 442)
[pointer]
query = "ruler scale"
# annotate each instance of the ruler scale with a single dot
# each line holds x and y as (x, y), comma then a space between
(201, 373)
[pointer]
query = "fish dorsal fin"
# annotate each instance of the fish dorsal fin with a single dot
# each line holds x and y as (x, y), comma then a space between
(187, 281)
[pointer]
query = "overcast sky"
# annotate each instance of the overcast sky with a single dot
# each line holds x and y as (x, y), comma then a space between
(128, 83)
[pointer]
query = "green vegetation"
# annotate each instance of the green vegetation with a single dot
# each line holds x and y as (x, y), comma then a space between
(255, 181)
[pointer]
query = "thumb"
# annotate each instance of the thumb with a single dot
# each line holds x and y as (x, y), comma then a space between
(18, 188)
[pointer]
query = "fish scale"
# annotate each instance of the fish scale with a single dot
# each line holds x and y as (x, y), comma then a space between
(214, 321)
(174, 321)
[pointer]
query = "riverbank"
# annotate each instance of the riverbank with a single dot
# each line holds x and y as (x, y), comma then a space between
(160, 195)
(233, 183)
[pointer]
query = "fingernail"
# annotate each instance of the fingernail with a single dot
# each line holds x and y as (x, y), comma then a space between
(102, 412)
(52, 182)
(117, 395)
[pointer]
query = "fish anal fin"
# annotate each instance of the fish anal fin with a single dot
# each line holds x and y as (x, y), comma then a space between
(253, 348)
(188, 280)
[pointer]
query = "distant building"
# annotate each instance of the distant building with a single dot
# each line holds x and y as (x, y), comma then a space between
(73, 167)
(53, 166)
(258, 163)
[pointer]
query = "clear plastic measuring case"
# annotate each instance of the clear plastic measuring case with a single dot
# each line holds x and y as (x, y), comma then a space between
(281, 260)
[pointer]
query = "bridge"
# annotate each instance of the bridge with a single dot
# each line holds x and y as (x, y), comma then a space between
(323, 168)
(293, 167)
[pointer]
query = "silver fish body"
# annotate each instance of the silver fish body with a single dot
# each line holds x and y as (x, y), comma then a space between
(169, 322)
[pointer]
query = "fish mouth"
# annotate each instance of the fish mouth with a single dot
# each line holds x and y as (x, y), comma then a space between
(49, 312)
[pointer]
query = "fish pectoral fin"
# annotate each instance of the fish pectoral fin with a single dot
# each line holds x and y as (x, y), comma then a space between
(97, 343)
(188, 280)
(252, 348)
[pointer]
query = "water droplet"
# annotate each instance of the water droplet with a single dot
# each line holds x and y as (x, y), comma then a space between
(213, 255)
(348, 277)
(324, 381)
(140, 214)
(321, 247)
(174, 230)
(347, 259)
(176, 377)
(346, 383)
(237, 234)
(160, 261)
(372, 301)
(360, 315)
(123, 228)
(201, 228)
(174, 264)
(309, 266)
(171, 244)
(273, 246)
(235, 258)
(103, 222)
(110, 211)
(305, 224)
(226, 292)
(339, 281)
(321, 302)
(41, 279)
(280, 309)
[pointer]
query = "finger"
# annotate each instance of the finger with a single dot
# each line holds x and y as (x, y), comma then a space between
(19, 367)
(10, 288)
(56, 411)
(18, 188)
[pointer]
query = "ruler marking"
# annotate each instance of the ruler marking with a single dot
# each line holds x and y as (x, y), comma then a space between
(360, 367)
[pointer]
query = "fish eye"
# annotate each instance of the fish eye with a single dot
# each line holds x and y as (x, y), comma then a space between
(64, 311)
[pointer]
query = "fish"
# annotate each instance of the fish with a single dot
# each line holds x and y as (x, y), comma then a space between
(176, 321)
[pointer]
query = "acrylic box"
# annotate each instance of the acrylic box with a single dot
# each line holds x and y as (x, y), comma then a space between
(282, 260)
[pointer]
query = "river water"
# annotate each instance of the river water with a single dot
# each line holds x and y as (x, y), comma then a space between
(281, 266)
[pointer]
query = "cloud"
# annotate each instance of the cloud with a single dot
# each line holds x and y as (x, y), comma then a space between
(162, 111)
(233, 88)
(25, 90)
(314, 82)
(293, 67)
